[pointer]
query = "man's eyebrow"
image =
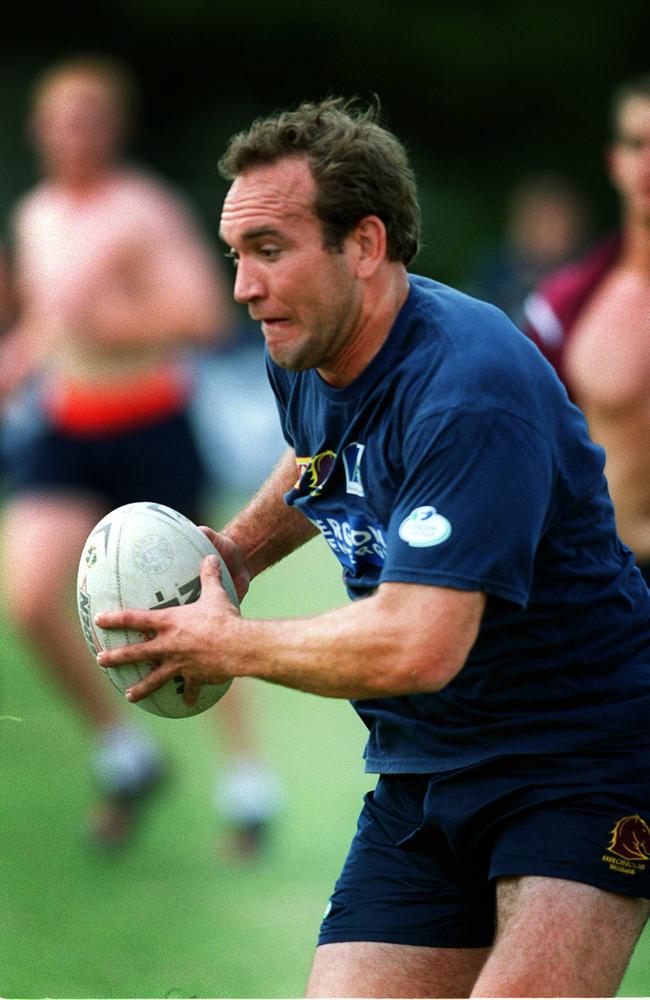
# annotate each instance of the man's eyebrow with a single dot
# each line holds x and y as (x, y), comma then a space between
(254, 234)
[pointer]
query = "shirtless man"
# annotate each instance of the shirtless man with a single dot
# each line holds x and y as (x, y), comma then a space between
(115, 281)
(5, 291)
(592, 321)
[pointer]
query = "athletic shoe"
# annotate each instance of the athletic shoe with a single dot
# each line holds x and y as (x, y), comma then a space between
(249, 795)
(128, 768)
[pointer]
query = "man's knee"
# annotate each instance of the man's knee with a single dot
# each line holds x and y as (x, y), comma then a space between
(27, 611)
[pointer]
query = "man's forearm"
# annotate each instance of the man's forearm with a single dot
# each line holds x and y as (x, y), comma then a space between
(266, 530)
(404, 639)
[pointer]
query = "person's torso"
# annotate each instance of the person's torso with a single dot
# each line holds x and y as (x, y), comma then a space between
(607, 364)
(405, 474)
(70, 249)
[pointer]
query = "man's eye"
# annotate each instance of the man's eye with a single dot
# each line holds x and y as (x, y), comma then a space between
(632, 142)
(269, 253)
(233, 256)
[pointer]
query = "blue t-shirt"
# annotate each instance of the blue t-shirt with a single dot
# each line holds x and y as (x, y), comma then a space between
(456, 459)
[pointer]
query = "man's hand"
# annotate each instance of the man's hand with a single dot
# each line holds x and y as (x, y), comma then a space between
(191, 640)
(233, 558)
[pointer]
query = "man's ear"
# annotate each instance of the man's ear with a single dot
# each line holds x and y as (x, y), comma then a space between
(369, 236)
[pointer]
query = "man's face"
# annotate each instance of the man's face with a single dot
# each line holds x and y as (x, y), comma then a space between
(306, 297)
(77, 126)
(630, 157)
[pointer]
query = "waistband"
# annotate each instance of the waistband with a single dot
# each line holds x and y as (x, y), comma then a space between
(77, 408)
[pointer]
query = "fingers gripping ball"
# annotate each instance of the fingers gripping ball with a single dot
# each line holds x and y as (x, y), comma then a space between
(144, 555)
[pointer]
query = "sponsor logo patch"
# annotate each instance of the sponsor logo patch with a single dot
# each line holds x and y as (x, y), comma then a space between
(629, 847)
(355, 542)
(424, 527)
(352, 455)
(314, 471)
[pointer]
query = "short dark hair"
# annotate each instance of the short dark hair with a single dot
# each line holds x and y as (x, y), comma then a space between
(638, 86)
(360, 168)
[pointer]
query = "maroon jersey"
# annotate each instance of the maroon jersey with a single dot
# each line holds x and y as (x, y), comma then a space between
(552, 310)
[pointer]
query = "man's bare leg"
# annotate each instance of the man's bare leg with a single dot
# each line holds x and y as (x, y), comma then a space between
(560, 938)
(42, 539)
(372, 969)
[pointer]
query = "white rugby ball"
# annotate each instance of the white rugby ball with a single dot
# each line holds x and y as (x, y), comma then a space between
(144, 555)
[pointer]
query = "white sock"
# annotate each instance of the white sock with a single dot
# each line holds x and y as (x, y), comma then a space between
(123, 757)
(248, 791)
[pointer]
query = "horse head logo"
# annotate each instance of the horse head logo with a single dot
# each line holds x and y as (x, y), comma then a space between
(631, 839)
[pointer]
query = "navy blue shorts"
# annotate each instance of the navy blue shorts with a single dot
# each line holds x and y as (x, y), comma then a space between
(158, 461)
(428, 848)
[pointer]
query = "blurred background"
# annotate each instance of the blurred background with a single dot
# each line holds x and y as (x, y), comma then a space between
(481, 92)
(501, 105)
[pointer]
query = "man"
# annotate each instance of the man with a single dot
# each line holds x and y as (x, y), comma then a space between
(592, 320)
(545, 225)
(498, 651)
(115, 282)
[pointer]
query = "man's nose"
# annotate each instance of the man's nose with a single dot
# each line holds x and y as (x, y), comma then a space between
(248, 283)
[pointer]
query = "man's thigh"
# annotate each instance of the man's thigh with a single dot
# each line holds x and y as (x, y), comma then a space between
(560, 938)
(414, 911)
(396, 926)
(375, 969)
(554, 938)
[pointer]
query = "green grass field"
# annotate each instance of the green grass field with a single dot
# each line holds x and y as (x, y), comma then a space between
(168, 918)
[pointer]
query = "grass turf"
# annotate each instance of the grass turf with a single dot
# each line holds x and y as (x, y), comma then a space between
(168, 918)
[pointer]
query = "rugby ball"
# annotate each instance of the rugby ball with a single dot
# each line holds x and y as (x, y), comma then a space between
(144, 555)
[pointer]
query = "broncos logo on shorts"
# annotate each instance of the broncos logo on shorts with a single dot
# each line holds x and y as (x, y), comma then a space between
(631, 839)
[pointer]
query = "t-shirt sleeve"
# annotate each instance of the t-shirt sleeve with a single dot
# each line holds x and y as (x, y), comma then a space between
(473, 504)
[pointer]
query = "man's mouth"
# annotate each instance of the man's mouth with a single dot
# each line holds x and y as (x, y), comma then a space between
(274, 322)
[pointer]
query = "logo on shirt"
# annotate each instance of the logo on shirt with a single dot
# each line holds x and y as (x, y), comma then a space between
(355, 542)
(424, 527)
(313, 471)
(352, 455)
(629, 848)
